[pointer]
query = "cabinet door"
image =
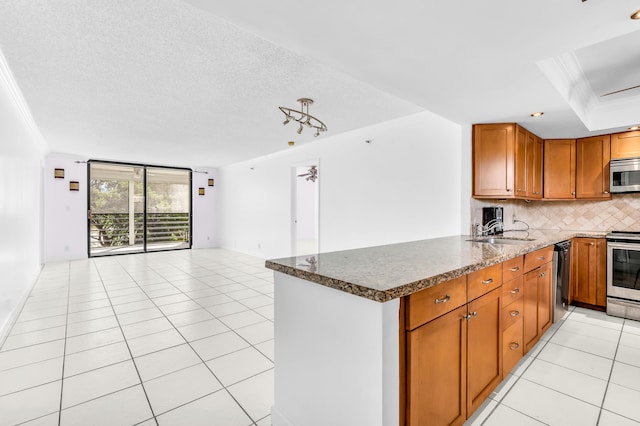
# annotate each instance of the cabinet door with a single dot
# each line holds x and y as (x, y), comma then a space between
(560, 169)
(545, 306)
(625, 145)
(583, 288)
(534, 167)
(484, 351)
(593, 156)
(601, 272)
(530, 307)
(436, 371)
(520, 171)
(493, 160)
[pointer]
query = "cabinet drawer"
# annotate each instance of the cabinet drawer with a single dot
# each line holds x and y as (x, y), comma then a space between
(484, 280)
(432, 302)
(512, 268)
(536, 258)
(512, 313)
(512, 346)
(512, 290)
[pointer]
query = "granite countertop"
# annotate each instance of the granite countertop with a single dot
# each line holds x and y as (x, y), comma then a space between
(383, 273)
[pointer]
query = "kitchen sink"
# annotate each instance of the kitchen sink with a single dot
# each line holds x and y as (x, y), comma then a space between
(501, 240)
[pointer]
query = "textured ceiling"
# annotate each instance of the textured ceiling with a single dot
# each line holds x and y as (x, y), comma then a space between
(198, 83)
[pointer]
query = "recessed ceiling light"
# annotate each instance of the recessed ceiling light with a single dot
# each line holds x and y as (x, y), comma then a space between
(634, 128)
(636, 14)
(537, 114)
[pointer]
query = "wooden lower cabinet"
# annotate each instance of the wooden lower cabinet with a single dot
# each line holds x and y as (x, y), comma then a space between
(589, 271)
(454, 358)
(538, 313)
(454, 362)
(484, 350)
(436, 371)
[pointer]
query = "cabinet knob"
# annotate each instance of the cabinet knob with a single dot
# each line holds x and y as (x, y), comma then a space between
(514, 269)
(514, 313)
(509, 189)
(541, 258)
(489, 281)
(592, 244)
(471, 315)
(605, 192)
(543, 274)
(519, 190)
(515, 291)
(514, 345)
(573, 193)
(443, 300)
(537, 193)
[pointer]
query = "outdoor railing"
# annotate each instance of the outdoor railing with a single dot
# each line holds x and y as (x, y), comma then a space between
(112, 229)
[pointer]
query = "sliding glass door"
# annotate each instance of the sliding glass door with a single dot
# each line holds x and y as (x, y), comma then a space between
(168, 208)
(137, 208)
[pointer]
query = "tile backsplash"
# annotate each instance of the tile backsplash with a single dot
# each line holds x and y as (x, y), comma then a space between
(621, 213)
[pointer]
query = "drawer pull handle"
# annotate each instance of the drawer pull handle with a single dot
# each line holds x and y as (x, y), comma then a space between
(514, 313)
(489, 281)
(514, 345)
(443, 300)
(541, 258)
(543, 274)
(515, 291)
(515, 269)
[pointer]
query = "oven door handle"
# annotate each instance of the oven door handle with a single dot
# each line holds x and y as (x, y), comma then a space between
(623, 246)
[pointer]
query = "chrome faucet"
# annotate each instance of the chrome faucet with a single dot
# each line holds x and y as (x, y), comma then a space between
(481, 231)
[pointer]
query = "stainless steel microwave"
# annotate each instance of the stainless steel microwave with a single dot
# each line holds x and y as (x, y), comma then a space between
(625, 175)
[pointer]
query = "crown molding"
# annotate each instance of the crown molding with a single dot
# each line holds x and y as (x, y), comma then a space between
(16, 97)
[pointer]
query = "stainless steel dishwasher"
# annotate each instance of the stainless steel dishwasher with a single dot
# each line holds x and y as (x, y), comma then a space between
(561, 274)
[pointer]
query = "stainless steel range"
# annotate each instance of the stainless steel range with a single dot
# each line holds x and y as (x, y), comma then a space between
(623, 274)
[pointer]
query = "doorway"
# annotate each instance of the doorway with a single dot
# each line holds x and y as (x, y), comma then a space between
(305, 209)
(136, 208)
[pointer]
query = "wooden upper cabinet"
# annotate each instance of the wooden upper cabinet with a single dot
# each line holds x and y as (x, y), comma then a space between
(493, 160)
(534, 167)
(593, 156)
(625, 145)
(560, 169)
(522, 139)
(507, 162)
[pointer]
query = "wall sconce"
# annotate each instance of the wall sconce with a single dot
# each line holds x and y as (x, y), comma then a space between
(74, 185)
(58, 173)
(200, 191)
(211, 182)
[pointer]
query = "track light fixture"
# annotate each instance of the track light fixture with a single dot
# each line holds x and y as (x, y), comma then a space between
(303, 117)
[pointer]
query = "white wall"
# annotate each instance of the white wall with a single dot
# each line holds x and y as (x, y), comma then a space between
(21, 160)
(204, 209)
(405, 185)
(65, 212)
(337, 357)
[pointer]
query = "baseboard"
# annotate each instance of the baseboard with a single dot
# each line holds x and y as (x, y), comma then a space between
(8, 324)
(278, 419)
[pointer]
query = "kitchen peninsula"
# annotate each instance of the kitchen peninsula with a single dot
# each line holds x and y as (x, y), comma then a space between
(341, 327)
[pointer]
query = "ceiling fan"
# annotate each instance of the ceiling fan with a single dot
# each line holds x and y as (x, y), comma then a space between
(312, 174)
(620, 91)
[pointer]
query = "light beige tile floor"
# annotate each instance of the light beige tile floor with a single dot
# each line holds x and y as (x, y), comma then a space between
(171, 338)
(585, 371)
(186, 338)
